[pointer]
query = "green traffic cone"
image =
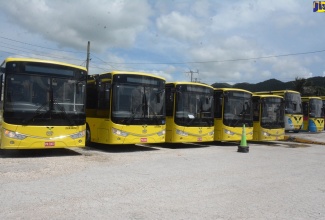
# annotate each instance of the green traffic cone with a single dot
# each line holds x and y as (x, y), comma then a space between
(243, 147)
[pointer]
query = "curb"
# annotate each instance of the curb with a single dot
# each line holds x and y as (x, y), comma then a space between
(301, 140)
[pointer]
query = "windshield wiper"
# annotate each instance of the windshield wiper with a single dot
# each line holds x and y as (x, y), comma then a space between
(64, 113)
(37, 113)
(135, 112)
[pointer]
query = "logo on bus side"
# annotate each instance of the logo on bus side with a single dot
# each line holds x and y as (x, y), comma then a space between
(50, 132)
(144, 131)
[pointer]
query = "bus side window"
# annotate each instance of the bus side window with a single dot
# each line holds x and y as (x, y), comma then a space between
(92, 95)
(305, 108)
(104, 93)
(256, 109)
(218, 97)
(169, 100)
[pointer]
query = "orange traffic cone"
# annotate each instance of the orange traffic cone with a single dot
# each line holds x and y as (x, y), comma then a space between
(243, 147)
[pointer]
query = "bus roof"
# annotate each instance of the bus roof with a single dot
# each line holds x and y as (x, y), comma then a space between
(13, 59)
(233, 89)
(277, 92)
(190, 83)
(310, 97)
(132, 73)
(267, 95)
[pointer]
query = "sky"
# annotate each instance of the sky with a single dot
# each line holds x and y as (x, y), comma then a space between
(208, 41)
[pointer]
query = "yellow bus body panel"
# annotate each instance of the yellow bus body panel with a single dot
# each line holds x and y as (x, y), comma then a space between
(226, 133)
(42, 137)
(263, 134)
(101, 131)
(194, 134)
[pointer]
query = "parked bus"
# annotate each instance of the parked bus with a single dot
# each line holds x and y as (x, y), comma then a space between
(313, 114)
(293, 117)
(125, 108)
(268, 118)
(233, 110)
(43, 104)
(189, 112)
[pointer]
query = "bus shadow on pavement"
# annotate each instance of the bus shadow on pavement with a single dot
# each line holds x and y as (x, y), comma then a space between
(123, 148)
(224, 143)
(30, 153)
(195, 145)
(285, 144)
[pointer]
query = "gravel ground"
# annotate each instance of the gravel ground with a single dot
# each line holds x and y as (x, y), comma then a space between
(276, 180)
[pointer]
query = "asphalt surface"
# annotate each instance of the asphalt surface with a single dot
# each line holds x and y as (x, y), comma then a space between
(275, 180)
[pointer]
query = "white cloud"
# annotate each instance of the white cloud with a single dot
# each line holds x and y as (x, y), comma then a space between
(180, 27)
(105, 23)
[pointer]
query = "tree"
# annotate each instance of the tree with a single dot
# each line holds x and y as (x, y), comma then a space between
(301, 84)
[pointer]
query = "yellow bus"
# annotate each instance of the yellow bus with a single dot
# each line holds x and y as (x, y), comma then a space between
(43, 104)
(125, 108)
(189, 112)
(232, 110)
(268, 118)
(293, 117)
(313, 114)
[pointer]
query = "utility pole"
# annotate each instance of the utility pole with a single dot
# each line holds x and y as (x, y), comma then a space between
(88, 53)
(191, 72)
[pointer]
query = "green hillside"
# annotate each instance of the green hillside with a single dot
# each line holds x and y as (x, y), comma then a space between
(310, 86)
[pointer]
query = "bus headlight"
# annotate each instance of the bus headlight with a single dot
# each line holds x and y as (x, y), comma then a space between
(119, 132)
(13, 134)
(228, 132)
(78, 135)
(181, 133)
(211, 133)
(266, 134)
(161, 133)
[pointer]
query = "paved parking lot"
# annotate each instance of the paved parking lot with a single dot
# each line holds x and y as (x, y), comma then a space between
(276, 180)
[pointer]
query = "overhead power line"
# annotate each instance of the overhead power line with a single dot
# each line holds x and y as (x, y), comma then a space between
(228, 60)
(170, 63)
(34, 45)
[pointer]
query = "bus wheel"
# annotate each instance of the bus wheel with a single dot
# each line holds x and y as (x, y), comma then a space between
(88, 137)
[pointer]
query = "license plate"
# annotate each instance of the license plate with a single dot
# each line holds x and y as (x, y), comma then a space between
(143, 140)
(49, 144)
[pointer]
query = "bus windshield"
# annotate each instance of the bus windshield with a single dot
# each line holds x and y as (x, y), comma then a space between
(316, 108)
(293, 103)
(194, 105)
(138, 100)
(237, 109)
(272, 114)
(41, 99)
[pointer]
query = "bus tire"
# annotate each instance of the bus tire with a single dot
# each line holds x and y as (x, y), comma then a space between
(88, 136)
